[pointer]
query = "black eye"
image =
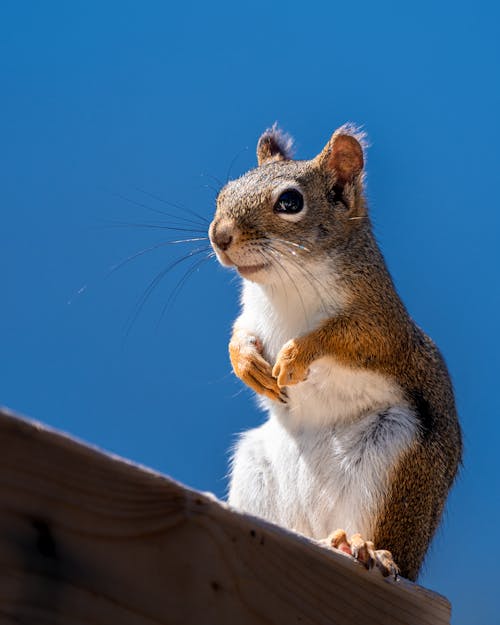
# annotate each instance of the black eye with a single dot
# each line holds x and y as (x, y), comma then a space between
(290, 202)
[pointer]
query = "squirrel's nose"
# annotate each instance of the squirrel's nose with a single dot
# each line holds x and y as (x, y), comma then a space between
(222, 236)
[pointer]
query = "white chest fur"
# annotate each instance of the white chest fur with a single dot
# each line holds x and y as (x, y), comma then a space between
(322, 461)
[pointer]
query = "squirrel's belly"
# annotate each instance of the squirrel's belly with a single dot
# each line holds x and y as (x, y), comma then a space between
(334, 393)
(316, 480)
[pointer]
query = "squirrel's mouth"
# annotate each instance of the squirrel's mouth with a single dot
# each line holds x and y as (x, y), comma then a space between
(246, 271)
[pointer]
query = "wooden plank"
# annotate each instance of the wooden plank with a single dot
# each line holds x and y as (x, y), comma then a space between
(87, 538)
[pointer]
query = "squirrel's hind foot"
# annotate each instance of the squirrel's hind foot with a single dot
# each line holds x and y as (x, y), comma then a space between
(364, 551)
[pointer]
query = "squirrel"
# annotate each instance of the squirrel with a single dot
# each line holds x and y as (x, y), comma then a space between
(362, 432)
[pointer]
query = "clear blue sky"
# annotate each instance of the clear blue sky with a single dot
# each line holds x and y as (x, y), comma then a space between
(101, 99)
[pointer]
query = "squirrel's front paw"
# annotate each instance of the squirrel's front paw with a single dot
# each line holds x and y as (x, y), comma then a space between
(291, 365)
(249, 365)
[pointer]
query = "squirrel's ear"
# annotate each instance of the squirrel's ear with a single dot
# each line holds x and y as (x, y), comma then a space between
(343, 155)
(274, 145)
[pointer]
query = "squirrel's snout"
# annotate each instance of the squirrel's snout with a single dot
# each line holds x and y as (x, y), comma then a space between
(221, 235)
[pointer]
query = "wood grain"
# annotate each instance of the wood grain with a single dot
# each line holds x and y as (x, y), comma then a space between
(89, 539)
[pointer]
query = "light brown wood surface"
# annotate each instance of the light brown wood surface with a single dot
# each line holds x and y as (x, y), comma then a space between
(89, 539)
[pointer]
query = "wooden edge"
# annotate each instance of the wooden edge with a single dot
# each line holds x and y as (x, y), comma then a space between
(208, 506)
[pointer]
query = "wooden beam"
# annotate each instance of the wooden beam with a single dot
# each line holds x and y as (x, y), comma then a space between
(89, 539)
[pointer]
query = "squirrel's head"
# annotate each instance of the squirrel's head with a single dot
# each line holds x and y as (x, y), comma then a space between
(288, 213)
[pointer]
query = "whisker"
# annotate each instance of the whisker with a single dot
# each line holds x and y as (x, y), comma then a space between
(155, 210)
(154, 283)
(235, 158)
(123, 262)
(313, 280)
(217, 180)
(297, 245)
(79, 292)
(294, 285)
(153, 226)
(174, 205)
(212, 188)
(178, 287)
(306, 273)
(266, 257)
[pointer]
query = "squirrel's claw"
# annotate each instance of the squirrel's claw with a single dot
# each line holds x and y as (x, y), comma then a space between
(385, 563)
(364, 551)
(290, 367)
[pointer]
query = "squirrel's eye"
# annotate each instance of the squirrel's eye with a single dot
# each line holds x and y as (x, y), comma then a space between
(290, 202)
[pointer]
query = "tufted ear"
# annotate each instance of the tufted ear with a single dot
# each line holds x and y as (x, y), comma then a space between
(274, 145)
(343, 155)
